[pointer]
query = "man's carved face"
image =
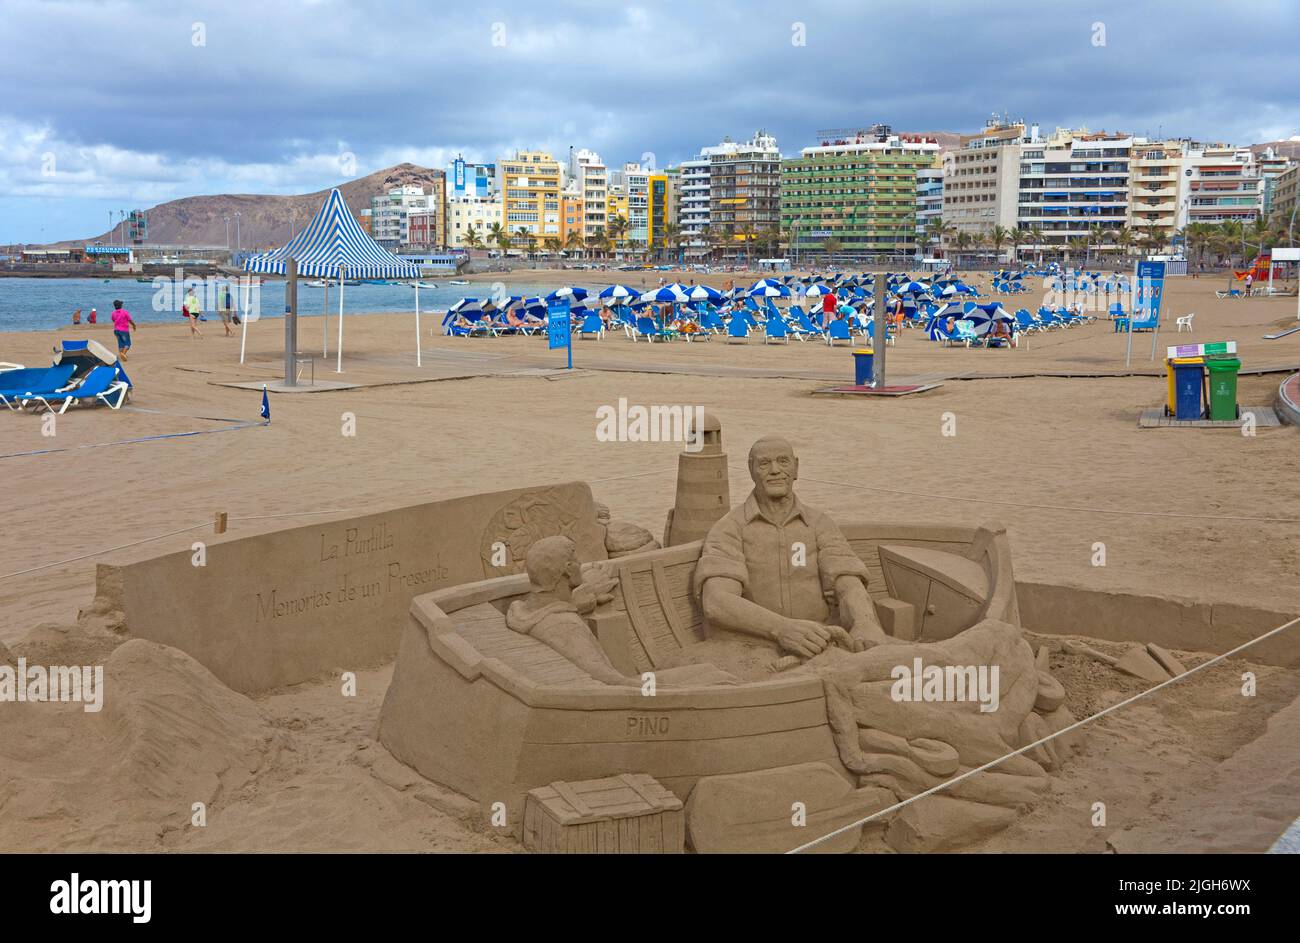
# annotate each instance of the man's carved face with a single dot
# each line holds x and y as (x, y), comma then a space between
(774, 468)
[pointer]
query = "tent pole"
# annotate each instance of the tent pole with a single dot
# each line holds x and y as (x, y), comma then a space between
(418, 361)
(339, 368)
(325, 331)
(291, 322)
(243, 336)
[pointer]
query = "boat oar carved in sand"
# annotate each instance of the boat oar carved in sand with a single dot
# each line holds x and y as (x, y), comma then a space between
(1152, 663)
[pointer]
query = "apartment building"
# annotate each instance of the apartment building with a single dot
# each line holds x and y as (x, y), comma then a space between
(657, 212)
(1155, 189)
(694, 206)
(530, 193)
(1284, 194)
(981, 178)
(1222, 185)
(590, 176)
(469, 181)
(636, 180)
(478, 213)
(860, 189)
(390, 215)
(745, 180)
(1071, 185)
(929, 203)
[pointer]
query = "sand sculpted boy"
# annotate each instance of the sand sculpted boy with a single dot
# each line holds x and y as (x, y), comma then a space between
(769, 567)
(552, 613)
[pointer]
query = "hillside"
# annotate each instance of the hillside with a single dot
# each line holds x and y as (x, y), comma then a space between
(265, 221)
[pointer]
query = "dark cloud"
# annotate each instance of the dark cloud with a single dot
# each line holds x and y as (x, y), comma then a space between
(283, 80)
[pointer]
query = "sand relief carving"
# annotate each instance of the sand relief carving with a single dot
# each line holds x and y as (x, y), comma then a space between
(528, 518)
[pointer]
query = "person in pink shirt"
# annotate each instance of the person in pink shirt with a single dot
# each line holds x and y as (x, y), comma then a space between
(122, 327)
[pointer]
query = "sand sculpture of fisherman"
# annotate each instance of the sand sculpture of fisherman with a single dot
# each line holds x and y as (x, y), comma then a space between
(771, 566)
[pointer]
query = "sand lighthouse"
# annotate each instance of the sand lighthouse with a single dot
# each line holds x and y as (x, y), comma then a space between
(703, 490)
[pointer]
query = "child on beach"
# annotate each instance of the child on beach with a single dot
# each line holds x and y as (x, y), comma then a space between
(122, 327)
(190, 310)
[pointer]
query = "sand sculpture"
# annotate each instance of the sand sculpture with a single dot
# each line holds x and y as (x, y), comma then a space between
(775, 681)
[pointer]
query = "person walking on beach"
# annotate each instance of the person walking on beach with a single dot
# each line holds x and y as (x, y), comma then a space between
(227, 308)
(76, 316)
(122, 327)
(93, 316)
(191, 310)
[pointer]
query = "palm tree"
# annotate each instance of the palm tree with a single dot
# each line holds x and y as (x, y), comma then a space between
(1123, 239)
(706, 237)
(830, 247)
(997, 236)
(501, 237)
(471, 237)
(494, 233)
(1079, 244)
(672, 238)
(1038, 236)
(551, 244)
(963, 242)
(573, 241)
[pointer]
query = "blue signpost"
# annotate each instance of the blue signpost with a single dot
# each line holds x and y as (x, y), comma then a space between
(559, 332)
(1148, 292)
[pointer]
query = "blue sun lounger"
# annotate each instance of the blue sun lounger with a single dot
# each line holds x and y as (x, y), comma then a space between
(592, 324)
(738, 327)
(838, 331)
(101, 385)
(18, 386)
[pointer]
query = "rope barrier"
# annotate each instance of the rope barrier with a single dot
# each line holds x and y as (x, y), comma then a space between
(1064, 730)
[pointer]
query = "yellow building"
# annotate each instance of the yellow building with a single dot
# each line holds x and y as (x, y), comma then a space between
(530, 194)
(616, 205)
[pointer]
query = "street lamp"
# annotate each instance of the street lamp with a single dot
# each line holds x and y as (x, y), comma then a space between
(238, 244)
(227, 219)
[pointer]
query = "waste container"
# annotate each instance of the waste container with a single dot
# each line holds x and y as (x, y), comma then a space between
(1192, 368)
(1188, 381)
(1223, 386)
(863, 360)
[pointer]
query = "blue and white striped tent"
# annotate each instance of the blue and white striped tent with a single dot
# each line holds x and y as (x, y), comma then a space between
(334, 246)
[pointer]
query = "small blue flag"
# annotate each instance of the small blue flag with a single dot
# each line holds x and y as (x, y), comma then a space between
(266, 405)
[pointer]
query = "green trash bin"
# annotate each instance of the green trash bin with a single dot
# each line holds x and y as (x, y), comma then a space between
(1223, 386)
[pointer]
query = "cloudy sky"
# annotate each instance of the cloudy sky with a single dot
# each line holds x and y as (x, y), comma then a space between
(127, 103)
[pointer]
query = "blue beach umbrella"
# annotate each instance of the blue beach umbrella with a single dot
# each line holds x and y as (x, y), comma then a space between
(705, 293)
(571, 292)
(668, 294)
(618, 293)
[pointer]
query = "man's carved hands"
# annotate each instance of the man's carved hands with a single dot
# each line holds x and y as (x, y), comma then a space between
(806, 638)
(597, 588)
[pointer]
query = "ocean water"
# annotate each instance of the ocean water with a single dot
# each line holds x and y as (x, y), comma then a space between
(42, 304)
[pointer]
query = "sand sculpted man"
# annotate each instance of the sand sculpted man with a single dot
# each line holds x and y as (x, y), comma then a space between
(770, 567)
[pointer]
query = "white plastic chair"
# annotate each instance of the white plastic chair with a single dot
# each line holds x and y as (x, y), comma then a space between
(1185, 322)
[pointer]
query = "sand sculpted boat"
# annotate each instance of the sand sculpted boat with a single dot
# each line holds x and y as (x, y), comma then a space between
(495, 714)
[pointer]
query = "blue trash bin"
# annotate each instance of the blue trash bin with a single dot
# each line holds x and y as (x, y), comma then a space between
(1189, 385)
(862, 366)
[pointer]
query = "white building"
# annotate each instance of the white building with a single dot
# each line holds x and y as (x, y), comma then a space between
(637, 180)
(590, 178)
(388, 213)
(693, 204)
(929, 203)
(1072, 184)
(1221, 184)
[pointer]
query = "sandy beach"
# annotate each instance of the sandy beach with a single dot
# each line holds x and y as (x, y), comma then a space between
(1047, 442)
